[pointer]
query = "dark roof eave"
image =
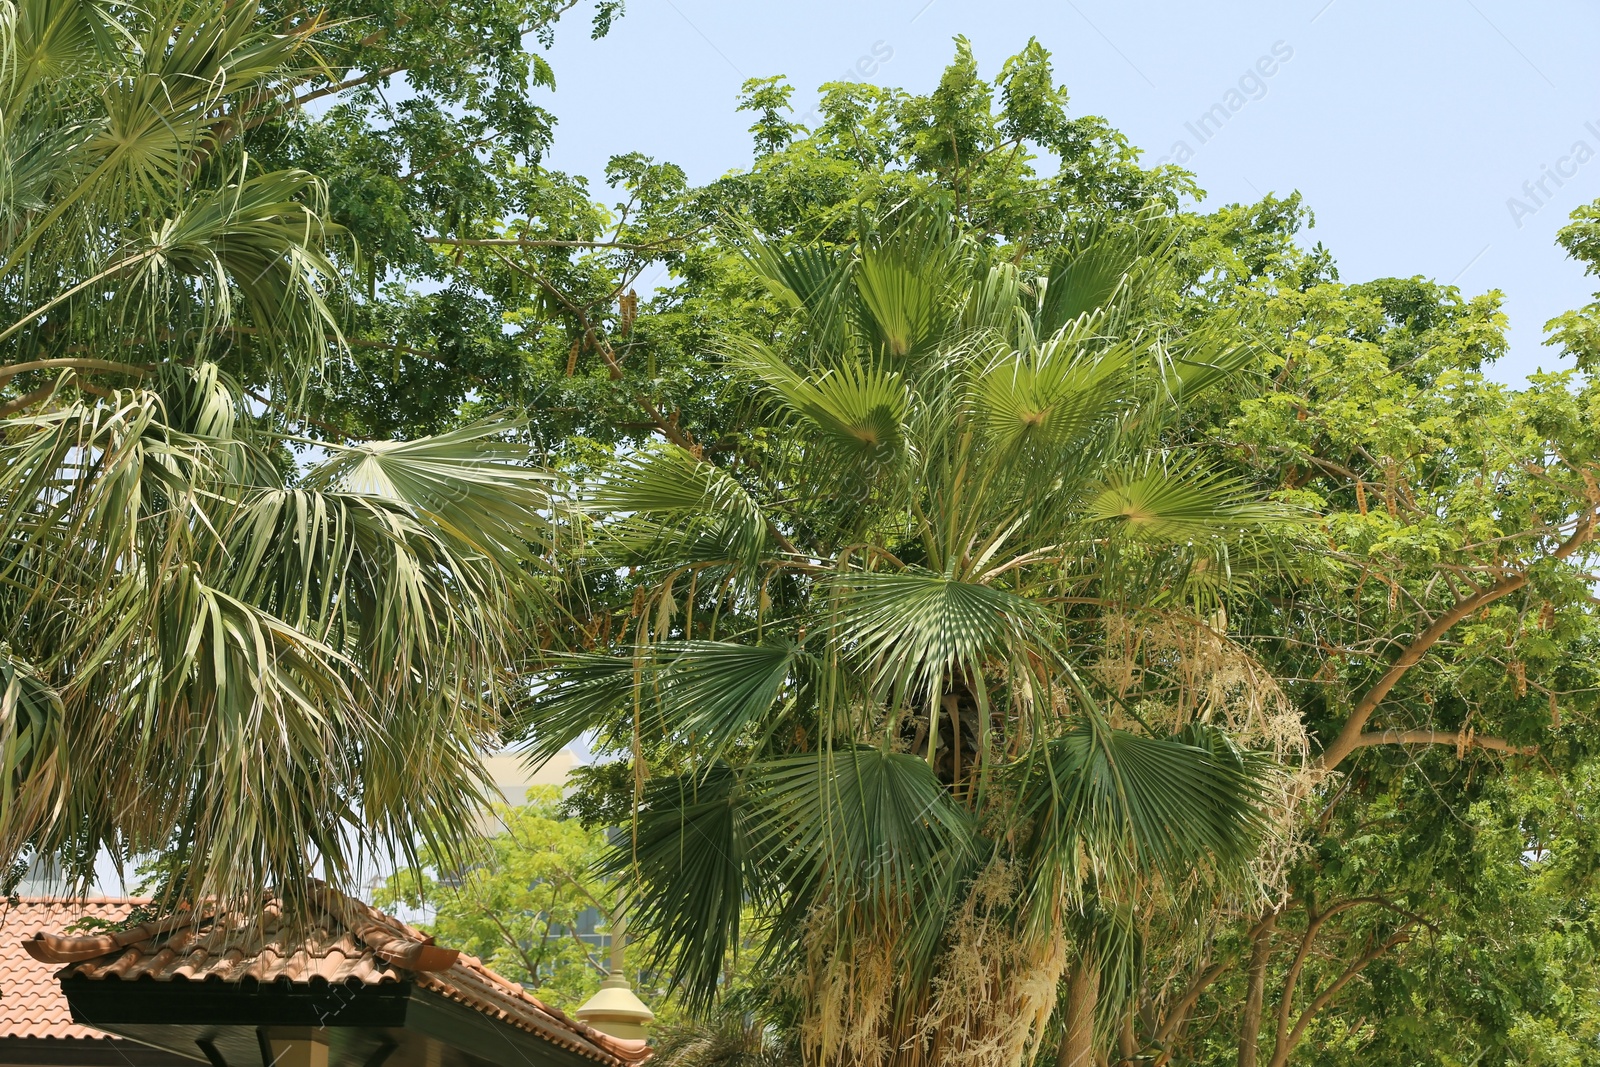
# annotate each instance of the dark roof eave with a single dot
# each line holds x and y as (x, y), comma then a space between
(170, 1013)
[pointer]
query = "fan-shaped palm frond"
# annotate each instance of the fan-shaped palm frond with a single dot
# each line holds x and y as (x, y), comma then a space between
(916, 629)
(859, 409)
(668, 487)
(721, 692)
(1052, 397)
(1176, 503)
(136, 228)
(1124, 802)
(573, 694)
(911, 282)
(469, 483)
(696, 861)
(1112, 265)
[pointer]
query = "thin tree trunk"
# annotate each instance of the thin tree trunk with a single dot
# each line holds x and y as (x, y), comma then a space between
(1127, 1045)
(1260, 956)
(952, 707)
(1083, 995)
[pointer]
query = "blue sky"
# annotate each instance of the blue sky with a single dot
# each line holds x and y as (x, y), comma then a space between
(1408, 126)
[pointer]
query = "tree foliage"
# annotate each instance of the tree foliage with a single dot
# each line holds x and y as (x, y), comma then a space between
(521, 908)
(256, 667)
(859, 653)
(998, 566)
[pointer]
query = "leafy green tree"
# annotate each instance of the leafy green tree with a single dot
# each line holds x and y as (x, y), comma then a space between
(1441, 640)
(1460, 907)
(485, 274)
(1446, 627)
(476, 268)
(254, 664)
(521, 907)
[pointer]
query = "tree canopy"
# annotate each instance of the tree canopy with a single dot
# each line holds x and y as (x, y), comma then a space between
(976, 559)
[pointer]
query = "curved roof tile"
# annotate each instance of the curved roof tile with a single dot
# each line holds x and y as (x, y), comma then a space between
(31, 1004)
(351, 942)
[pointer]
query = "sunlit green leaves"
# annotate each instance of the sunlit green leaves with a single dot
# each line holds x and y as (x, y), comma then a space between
(471, 482)
(1053, 396)
(972, 493)
(255, 671)
(857, 410)
(139, 227)
(909, 282)
(1159, 504)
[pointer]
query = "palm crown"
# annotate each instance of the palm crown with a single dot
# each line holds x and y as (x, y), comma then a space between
(858, 656)
(252, 665)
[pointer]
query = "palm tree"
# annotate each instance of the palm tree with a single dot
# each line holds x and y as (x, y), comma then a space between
(252, 663)
(871, 660)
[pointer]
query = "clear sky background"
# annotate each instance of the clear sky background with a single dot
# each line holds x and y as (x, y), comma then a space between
(1407, 124)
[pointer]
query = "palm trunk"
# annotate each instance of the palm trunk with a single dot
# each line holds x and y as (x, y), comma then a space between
(1083, 995)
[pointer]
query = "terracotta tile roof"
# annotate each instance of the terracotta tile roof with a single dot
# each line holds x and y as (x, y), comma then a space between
(31, 1002)
(348, 942)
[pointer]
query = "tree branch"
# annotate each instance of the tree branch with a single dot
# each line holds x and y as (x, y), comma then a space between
(339, 87)
(1180, 1010)
(27, 400)
(1314, 923)
(543, 242)
(70, 363)
(1349, 738)
(1256, 984)
(509, 938)
(1442, 737)
(300, 416)
(1285, 1048)
(669, 428)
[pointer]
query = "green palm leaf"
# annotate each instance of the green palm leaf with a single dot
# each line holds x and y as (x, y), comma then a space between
(666, 482)
(1111, 264)
(716, 692)
(858, 410)
(694, 865)
(1179, 503)
(1105, 802)
(908, 283)
(574, 692)
(471, 483)
(915, 628)
(873, 826)
(1051, 398)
